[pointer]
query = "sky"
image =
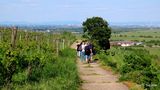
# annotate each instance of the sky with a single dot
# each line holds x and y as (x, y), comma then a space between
(61, 11)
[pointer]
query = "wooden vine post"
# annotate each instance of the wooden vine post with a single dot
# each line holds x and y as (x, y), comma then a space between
(0, 36)
(20, 37)
(57, 47)
(26, 37)
(63, 43)
(13, 37)
(68, 43)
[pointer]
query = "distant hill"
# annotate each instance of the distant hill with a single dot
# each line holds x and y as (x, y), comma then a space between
(77, 27)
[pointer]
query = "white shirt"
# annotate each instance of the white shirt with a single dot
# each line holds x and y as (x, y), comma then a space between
(83, 47)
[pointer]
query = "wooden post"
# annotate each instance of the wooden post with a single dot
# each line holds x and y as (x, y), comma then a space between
(26, 37)
(68, 43)
(13, 37)
(54, 46)
(57, 47)
(36, 38)
(38, 41)
(48, 38)
(0, 36)
(63, 43)
(20, 37)
(48, 41)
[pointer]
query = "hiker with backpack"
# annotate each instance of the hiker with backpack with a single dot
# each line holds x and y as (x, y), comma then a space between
(79, 49)
(91, 49)
(88, 53)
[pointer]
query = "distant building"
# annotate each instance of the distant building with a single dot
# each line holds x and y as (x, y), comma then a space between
(75, 32)
(124, 43)
(139, 43)
(48, 30)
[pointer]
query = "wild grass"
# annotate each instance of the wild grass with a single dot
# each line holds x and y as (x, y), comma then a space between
(58, 74)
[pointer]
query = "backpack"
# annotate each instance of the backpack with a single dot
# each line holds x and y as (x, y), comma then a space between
(87, 50)
(94, 52)
(80, 48)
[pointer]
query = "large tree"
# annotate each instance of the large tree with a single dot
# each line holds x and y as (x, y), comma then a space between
(96, 29)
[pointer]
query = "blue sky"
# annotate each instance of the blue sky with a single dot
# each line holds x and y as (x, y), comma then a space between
(44, 11)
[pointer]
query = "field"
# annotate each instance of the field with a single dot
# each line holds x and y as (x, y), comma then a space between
(138, 34)
(141, 35)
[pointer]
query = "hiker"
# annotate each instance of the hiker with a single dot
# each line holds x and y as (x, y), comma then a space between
(91, 49)
(78, 49)
(88, 52)
(82, 56)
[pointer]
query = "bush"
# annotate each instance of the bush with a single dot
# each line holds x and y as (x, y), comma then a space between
(55, 73)
(134, 65)
(138, 68)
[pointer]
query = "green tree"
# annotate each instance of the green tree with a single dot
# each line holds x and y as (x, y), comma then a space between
(96, 29)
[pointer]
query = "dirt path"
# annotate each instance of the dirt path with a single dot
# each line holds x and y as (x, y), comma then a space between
(96, 78)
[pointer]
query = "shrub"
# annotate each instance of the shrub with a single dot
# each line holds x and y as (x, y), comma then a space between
(138, 68)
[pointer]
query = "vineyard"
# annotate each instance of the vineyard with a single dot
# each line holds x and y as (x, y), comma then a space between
(37, 60)
(44, 60)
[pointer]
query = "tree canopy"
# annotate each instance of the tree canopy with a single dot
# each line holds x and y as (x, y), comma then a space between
(97, 29)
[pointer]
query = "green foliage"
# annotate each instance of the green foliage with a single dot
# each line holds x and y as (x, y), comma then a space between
(133, 64)
(135, 61)
(59, 73)
(96, 29)
(153, 43)
(138, 68)
(103, 56)
(34, 64)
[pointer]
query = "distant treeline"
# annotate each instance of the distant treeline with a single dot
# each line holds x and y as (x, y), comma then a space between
(152, 43)
(116, 29)
(53, 28)
(47, 28)
(142, 36)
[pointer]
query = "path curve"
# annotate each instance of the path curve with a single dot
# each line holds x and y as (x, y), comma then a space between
(96, 78)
